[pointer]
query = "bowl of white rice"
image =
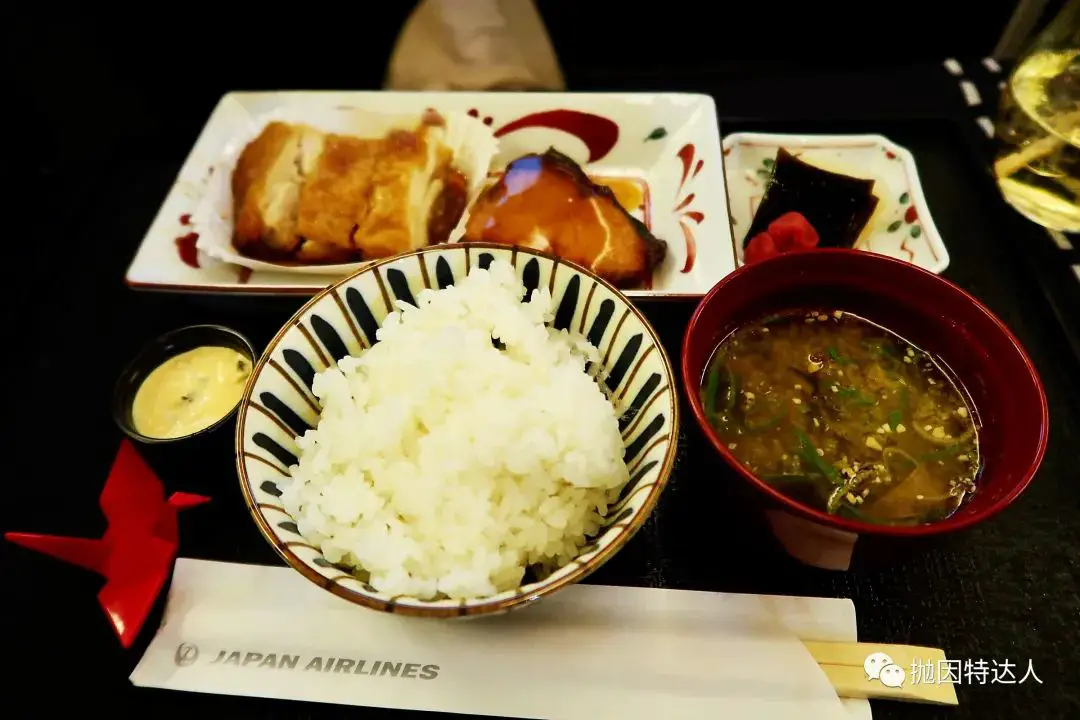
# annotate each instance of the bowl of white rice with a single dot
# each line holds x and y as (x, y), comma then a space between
(457, 431)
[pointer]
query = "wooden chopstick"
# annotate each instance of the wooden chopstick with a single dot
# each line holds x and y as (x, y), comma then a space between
(843, 664)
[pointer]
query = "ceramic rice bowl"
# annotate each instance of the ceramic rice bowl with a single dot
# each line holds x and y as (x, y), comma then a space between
(278, 405)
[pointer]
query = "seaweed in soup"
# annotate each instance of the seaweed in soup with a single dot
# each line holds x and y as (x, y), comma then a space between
(845, 416)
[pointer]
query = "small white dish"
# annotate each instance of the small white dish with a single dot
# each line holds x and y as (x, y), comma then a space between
(901, 226)
(668, 144)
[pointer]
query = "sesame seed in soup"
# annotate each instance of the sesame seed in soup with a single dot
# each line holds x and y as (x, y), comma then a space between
(845, 416)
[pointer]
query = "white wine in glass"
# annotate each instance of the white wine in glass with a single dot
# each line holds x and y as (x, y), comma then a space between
(1038, 131)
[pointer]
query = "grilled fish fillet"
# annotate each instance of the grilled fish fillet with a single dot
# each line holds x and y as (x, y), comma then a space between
(548, 203)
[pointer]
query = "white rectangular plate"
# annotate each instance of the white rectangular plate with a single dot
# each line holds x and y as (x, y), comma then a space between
(668, 142)
(901, 226)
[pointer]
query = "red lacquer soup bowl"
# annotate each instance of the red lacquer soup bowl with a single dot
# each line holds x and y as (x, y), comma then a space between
(999, 378)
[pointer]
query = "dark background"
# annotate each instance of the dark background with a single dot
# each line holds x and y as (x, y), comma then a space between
(102, 108)
(94, 78)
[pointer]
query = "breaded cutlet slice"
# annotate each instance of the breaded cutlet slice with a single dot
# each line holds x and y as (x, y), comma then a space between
(266, 188)
(334, 197)
(403, 190)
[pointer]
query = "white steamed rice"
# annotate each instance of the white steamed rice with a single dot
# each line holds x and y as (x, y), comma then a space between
(442, 466)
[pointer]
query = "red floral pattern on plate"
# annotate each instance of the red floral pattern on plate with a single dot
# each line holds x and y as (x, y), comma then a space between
(909, 217)
(598, 133)
(185, 247)
(683, 207)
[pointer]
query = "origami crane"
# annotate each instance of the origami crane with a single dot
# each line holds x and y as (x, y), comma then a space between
(138, 548)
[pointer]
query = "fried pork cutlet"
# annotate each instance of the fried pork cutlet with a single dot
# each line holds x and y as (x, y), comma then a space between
(307, 197)
(404, 186)
(334, 196)
(266, 189)
(548, 203)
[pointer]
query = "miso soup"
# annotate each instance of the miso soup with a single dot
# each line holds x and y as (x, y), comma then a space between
(845, 416)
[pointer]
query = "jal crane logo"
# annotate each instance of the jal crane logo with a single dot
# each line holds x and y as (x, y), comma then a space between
(186, 654)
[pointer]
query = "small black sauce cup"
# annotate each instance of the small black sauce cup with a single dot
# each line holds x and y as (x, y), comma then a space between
(202, 462)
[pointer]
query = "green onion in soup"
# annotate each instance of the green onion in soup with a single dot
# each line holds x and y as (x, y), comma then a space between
(844, 415)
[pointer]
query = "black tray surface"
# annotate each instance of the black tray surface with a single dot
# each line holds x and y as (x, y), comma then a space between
(1007, 590)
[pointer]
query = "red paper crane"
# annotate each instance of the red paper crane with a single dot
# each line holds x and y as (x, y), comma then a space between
(137, 549)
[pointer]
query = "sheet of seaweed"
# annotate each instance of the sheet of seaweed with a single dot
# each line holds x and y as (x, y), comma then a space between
(837, 205)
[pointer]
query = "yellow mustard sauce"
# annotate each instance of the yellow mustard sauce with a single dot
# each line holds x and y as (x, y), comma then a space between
(190, 392)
